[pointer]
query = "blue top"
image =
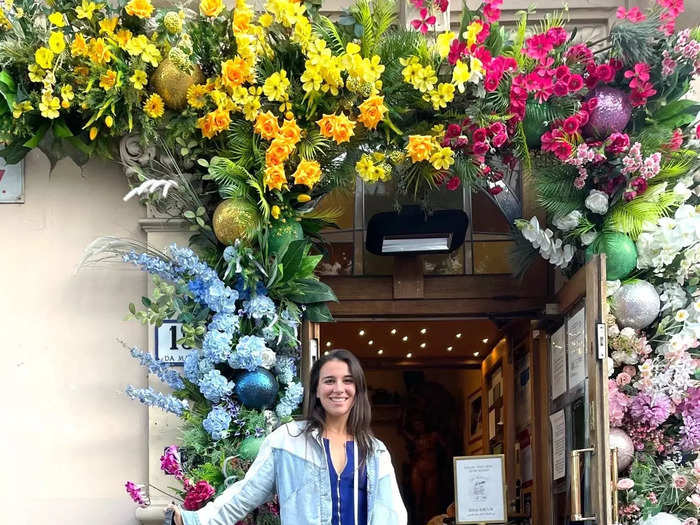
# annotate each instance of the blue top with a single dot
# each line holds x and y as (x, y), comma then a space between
(342, 496)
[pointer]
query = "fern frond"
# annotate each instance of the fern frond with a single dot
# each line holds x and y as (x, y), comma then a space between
(313, 145)
(636, 42)
(629, 217)
(224, 172)
(522, 255)
(328, 31)
(679, 164)
(385, 16)
(262, 201)
(554, 187)
(235, 190)
(331, 214)
(362, 12)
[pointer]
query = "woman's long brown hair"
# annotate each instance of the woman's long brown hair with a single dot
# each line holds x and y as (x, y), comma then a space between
(361, 412)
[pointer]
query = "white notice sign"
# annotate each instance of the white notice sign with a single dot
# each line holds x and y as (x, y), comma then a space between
(576, 347)
(480, 489)
(11, 182)
(558, 444)
(557, 354)
(167, 349)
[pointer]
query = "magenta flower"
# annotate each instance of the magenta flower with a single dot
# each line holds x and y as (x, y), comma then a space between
(198, 495)
(538, 46)
(137, 493)
(170, 462)
(421, 24)
(650, 408)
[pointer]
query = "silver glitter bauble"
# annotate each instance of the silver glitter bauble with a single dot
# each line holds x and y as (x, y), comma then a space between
(662, 518)
(625, 448)
(636, 305)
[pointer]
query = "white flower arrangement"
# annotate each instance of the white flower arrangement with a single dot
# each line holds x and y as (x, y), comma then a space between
(551, 249)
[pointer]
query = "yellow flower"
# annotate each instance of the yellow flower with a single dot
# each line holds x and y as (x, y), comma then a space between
(251, 108)
(197, 95)
(44, 57)
(275, 178)
(99, 52)
(364, 166)
(303, 197)
(460, 75)
(372, 111)
(276, 86)
(442, 159)
(424, 79)
(108, 80)
(122, 37)
(139, 79)
(49, 105)
(79, 46)
(420, 147)
(154, 107)
(57, 44)
(241, 20)
(139, 8)
(135, 46)
(338, 127)
(93, 132)
(472, 32)
(87, 9)
(151, 55)
(211, 7)
(275, 212)
(36, 74)
(308, 172)
(443, 42)
(57, 19)
(109, 121)
(278, 151)
(21, 107)
(290, 130)
(67, 92)
(442, 96)
(108, 25)
(266, 125)
(235, 72)
(266, 20)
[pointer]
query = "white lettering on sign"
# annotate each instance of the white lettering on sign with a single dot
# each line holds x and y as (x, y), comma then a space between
(167, 348)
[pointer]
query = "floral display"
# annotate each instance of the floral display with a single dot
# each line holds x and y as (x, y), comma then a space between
(244, 120)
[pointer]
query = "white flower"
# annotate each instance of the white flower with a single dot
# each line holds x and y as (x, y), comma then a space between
(628, 332)
(681, 316)
(682, 192)
(588, 237)
(597, 202)
(268, 358)
(567, 222)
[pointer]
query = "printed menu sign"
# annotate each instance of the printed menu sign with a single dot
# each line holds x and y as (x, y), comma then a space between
(479, 489)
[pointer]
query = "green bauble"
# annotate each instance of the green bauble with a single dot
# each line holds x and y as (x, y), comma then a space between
(235, 219)
(249, 448)
(620, 252)
(282, 233)
(534, 123)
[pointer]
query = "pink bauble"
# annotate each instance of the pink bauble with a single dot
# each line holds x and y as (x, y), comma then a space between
(625, 448)
(611, 115)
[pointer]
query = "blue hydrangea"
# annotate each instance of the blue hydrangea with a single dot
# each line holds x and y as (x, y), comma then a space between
(227, 323)
(196, 366)
(153, 265)
(230, 253)
(214, 386)
(286, 369)
(259, 306)
(217, 422)
(150, 397)
(249, 353)
(164, 372)
(292, 398)
(217, 346)
(271, 334)
(219, 297)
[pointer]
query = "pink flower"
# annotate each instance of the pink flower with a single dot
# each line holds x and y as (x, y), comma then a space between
(617, 143)
(499, 139)
(571, 125)
(634, 15)
(621, 13)
(492, 13)
(560, 89)
(198, 495)
(579, 53)
(538, 46)
(694, 499)
(453, 183)
(679, 481)
(421, 24)
(557, 35)
(575, 82)
(170, 461)
(605, 72)
(457, 50)
(652, 497)
(624, 484)
(453, 130)
(563, 150)
(480, 135)
(442, 5)
(697, 132)
(137, 493)
(623, 379)
(480, 148)
(676, 140)
(690, 521)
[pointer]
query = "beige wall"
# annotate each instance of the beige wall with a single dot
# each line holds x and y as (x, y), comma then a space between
(70, 437)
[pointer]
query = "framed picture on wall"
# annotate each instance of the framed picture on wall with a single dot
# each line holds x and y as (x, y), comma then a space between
(474, 416)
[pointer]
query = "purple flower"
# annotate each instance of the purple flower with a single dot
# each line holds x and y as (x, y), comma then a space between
(137, 493)
(650, 408)
(690, 434)
(170, 462)
(691, 404)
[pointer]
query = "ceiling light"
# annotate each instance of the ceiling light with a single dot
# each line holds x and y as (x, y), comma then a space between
(325, 353)
(361, 332)
(476, 354)
(370, 342)
(409, 355)
(380, 351)
(404, 338)
(449, 349)
(393, 331)
(328, 344)
(485, 340)
(423, 330)
(459, 334)
(422, 345)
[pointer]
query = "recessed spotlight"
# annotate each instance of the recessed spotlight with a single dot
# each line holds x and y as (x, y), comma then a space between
(476, 354)
(409, 355)
(393, 331)
(328, 344)
(370, 342)
(459, 334)
(449, 349)
(423, 330)
(380, 351)
(326, 352)
(404, 338)
(485, 340)
(361, 332)
(422, 345)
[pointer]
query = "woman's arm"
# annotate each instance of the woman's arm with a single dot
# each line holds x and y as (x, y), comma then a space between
(237, 501)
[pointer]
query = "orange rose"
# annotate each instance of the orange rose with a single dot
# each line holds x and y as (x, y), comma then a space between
(308, 172)
(420, 147)
(235, 72)
(372, 111)
(220, 119)
(290, 131)
(275, 178)
(206, 124)
(279, 151)
(338, 127)
(266, 125)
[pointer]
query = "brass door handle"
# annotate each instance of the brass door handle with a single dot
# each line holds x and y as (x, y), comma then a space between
(575, 464)
(613, 482)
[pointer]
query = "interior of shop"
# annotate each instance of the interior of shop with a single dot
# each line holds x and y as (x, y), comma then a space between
(441, 389)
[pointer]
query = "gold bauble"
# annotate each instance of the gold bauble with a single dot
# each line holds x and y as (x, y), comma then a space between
(172, 83)
(235, 219)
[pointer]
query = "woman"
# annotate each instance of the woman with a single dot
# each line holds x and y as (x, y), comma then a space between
(326, 470)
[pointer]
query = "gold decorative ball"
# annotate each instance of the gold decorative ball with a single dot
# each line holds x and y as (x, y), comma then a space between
(172, 84)
(235, 219)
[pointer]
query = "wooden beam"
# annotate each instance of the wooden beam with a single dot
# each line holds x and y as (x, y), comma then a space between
(437, 307)
(402, 363)
(408, 277)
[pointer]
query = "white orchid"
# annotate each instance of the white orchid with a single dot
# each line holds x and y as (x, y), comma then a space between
(151, 186)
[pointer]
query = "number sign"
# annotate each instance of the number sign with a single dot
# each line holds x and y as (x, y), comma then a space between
(167, 348)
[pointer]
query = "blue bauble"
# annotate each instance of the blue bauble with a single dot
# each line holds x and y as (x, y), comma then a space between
(257, 389)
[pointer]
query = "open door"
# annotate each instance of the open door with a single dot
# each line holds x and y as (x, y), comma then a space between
(582, 480)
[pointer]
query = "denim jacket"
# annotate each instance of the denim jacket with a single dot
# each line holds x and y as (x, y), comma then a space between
(292, 464)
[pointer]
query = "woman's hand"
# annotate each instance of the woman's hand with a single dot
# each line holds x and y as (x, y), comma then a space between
(177, 517)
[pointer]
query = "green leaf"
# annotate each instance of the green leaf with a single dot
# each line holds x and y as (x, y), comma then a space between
(674, 109)
(132, 308)
(308, 265)
(33, 142)
(61, 130)
(291, 261)
(318, 313)
(307, 291)
(146, 302)
(629, 217)
(6, 79)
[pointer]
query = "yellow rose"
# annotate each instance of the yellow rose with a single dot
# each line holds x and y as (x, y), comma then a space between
(308, 173)
(420, 147)
(275, 179)
(278, 151)
(266, 125)
(211, 7)
(44, 57)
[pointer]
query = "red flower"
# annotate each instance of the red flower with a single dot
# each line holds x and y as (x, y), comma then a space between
(617, 143)
(605, 72)
(561, 89)
(442, 5)
(557, 35)
(639, 73)
(453, 183)
(639, 185)
(562, 72)
(579, 53)
(497, 128)
(421, 24)
(457, 50)
(480, 135)
(495, 190)
(480, 148)
(499, 139)
(591, 104)
(491, 82)
(491, 12)
(571, 125)
(198, 495)
(676, 140)
(563, 150)
(575, 82)
(697, 132)
(453, 130)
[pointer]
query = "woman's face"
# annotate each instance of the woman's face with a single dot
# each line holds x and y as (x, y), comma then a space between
(336, 388)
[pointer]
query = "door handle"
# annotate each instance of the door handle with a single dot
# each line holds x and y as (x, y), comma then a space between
(613, 480)
(575, 464)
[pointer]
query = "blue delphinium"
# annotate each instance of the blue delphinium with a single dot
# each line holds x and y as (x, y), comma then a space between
(286, 369)
(228, 323)
(152, 264)
(259, 306)
(248, 353)
(217, 346)
(196, 366)
(166, 374)
(217, 423)
(150, 397)
(292, 398)
(214, 386)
